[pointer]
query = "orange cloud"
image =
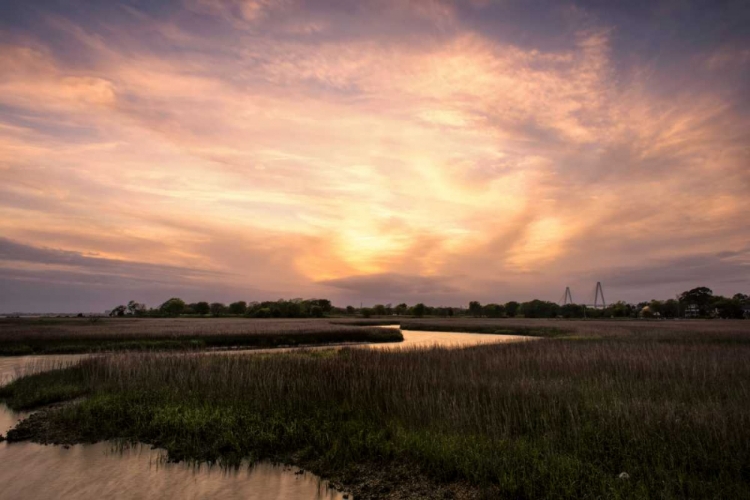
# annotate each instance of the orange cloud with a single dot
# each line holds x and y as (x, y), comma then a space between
(457, 155)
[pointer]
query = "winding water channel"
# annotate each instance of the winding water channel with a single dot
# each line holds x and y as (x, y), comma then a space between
(30, 471)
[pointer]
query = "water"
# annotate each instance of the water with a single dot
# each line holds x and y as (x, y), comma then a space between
(29, 471)
(446, 339)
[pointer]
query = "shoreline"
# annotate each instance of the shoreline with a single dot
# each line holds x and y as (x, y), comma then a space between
(364, 480)
(554, 419)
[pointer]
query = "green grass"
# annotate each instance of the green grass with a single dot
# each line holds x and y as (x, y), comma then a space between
(546, 419)
(45, 388)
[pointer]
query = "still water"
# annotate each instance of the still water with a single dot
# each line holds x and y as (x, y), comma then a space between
(446, 339)
(32, 471)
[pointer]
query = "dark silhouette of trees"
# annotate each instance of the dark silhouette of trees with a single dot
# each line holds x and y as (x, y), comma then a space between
(493, 310)
(697, 299)
(172, 307)
(419, 310)
(118, 311)
(136, 308)
(201, 308)
(475, 308)
(700, 297)
(511, 308)
(239, 307)
(539, 309)
(217, 309)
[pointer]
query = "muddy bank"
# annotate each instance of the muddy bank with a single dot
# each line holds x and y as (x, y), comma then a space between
(366, 481)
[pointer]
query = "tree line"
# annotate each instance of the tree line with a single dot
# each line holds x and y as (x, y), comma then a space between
(698, 302)
(295, 308)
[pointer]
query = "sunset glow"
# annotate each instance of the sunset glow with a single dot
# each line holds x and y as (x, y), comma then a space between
(385, 150)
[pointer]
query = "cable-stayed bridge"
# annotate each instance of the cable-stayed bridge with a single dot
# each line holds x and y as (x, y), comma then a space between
(597, 293)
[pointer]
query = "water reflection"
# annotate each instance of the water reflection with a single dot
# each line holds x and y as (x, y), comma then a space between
(98, 471)
(413, 338)
(30, 471)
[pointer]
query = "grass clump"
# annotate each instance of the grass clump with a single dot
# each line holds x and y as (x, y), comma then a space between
(45, 388)
(547, 419)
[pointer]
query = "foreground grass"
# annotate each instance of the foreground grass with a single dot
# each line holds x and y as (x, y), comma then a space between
(56, 336)
(548, 419)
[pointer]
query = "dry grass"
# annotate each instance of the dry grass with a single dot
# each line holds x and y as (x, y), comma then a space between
(27, 336)
(551, 419)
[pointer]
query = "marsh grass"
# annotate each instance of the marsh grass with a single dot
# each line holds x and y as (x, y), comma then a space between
(548, 419)
(64, 336)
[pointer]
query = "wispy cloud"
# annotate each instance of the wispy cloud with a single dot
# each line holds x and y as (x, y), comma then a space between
(345, 148)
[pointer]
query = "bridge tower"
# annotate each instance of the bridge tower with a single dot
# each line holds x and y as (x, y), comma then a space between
(599, 292)
(568, 299)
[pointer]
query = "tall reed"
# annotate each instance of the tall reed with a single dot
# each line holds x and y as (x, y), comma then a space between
(547, 419)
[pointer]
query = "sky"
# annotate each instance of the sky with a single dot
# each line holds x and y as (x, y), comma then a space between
(376, 151)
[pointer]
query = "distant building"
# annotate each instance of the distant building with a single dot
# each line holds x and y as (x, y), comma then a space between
(646, 312)
(692, 311)
(746, 311)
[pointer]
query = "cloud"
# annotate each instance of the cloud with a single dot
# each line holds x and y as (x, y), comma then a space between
(728, 273)
(286, 147)
(76, 264)
(387, 286)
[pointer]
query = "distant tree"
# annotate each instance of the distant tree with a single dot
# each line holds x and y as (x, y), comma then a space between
(217, 308)
(316, 311)
(118, 311)
(419, 310)
(238, 307)
(443, 311)
(741, 298)
(379, 310)
(324, 304)
(350, 310)
(670, 308)
(262, 312)
(493, 310)
(136, 309)
(201, 308)
(621, 309)
(401, 309)
(366, 312)
(511, 308)
(728, 308)
(700, 297)
(172, 307)
(475, 308)
(656, 307)
(291, 309)
(571, 311)
(539, 309)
